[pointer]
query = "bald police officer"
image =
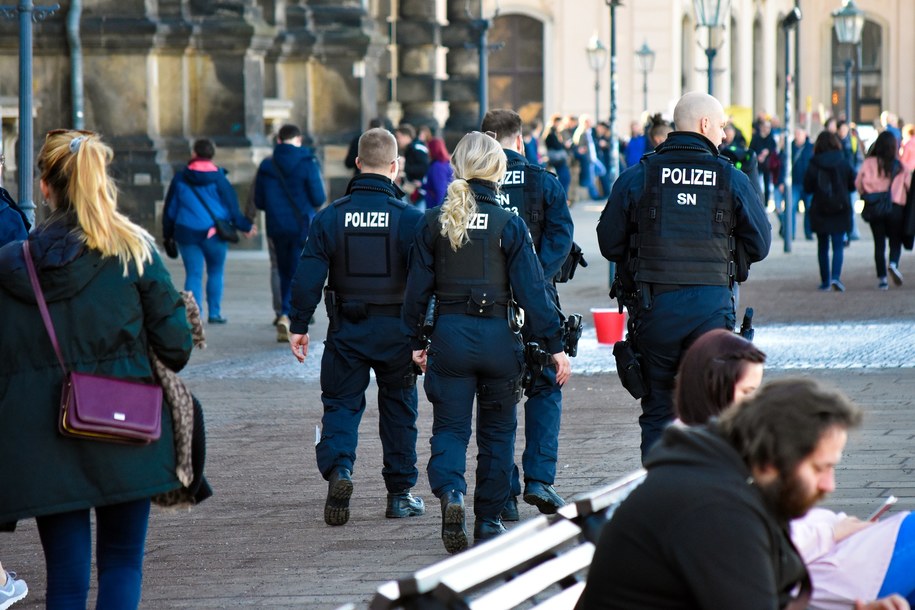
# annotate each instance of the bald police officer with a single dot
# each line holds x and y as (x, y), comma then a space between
(535, 195)
(683, 226)
(361, 241)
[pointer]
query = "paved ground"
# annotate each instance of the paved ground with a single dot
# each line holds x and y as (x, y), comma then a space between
(261, 541)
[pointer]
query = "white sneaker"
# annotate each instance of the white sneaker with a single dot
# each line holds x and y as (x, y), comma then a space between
(14, 590)
(282, 329)
(895, 274)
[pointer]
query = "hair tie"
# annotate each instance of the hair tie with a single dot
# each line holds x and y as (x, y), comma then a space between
(75, 144)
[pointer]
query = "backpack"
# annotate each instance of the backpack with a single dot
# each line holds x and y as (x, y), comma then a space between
(831, 194)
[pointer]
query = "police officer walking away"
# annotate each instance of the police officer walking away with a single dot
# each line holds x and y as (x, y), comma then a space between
(362, 241)
(476, 259)
(683, 226)
(535, 195)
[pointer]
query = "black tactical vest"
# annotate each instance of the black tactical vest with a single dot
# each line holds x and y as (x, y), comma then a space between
(684, 220)
(521, 193)
(367, 265)
(478, 265)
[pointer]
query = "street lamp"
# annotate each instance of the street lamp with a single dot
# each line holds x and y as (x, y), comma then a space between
(646, 64)
(614, 169)
(848, 22)
(790, 22)
(711, 14)
(597, 57)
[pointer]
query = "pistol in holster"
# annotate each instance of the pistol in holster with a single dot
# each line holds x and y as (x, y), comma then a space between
(535, 360)
(333, 309)
(571, 333)
(629, 368)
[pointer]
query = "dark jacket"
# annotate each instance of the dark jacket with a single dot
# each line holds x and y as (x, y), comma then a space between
(416, 160)
(800, 160)
(105, 323)
(751, 227)
(824, 217)
(436, 183)
(696, 534)
(297, 167)
(13, 225)
(185, 216)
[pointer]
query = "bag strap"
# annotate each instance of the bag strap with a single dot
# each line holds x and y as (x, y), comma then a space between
(42, 305)
(282, 177)
(203, 203)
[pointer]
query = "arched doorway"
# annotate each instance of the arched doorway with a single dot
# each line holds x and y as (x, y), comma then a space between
(866, 75)
(516, 65)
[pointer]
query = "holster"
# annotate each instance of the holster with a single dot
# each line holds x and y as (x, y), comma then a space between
(498, 394)
(333, 312)
(629, 368)
(575, 258)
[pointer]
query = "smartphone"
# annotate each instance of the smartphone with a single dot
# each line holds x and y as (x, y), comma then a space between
(882, 508)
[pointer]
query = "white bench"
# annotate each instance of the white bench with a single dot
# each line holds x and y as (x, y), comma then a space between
(541, 563)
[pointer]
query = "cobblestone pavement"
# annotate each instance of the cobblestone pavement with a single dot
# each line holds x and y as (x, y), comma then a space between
(261, 540)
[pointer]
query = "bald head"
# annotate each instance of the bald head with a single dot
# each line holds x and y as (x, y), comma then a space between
(701, 113)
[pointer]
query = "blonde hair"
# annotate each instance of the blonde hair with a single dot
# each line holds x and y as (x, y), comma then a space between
(73, 164)
(475, 156)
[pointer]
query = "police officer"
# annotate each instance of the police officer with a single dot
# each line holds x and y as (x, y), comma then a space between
(475, 258)
(683, 226)
(362, 241)
(536, 196)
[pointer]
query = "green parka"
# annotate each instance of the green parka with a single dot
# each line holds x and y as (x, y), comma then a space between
(104, 323)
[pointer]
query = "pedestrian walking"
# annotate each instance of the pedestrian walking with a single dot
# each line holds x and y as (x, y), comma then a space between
(111, 300)
(416, 163)
(880, 180)
(290, 190)
(201, 214)
(830, 179)
(801, 151)
(12, 589)
(13, 223)
(557, 152)
(359, 245)
(536, 196)
(683, 227)
(439, 174)
(476, 259)
(849, 560)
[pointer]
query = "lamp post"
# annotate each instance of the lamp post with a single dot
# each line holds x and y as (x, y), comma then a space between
(597, 57)
(614, 168)
(848, 22)
(646, 64)
(711, 14)
(791, 20)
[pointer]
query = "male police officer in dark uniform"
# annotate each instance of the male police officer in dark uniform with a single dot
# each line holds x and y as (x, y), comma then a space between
(538, 198)
(362, 240)
(683, 226)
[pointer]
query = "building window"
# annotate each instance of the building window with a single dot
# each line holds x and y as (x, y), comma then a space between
(516, 65)
(866, 75)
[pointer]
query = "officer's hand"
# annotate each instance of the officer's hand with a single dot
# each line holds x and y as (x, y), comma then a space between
(299, 346)
(419, 357)
(251, 233)
(563, 367)
(893, 602)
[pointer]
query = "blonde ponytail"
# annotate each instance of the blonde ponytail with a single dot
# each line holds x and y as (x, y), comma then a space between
(476, 156)
(74, 166)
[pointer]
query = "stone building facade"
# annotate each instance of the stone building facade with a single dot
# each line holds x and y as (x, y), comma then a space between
(159, 73)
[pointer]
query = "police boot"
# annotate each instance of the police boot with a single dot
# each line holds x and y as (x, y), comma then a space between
(404, 504)
(339, 490)
(510, 511)
(484, 529)
(543, 496)
(454, 531)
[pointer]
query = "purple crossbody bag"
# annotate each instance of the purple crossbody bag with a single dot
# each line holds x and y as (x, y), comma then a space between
(97, 407)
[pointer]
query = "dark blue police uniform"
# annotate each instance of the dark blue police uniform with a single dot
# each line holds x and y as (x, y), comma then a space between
(683, 226)
(361, 241)
(473, 350)
(538, 198)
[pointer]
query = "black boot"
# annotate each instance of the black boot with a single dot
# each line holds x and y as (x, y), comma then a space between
(510, 511)
(339, 490)
(543, 496)
(404, 504)
(484, 529)
(454, 531)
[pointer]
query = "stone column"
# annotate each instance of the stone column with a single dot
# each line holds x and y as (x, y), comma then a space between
(422, 63)
(461, 89)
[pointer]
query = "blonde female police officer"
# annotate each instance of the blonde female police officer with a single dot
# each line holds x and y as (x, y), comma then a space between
(475, 258)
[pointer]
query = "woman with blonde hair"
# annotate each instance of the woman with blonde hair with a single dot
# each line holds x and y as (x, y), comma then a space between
(111, 301)
(477, 260)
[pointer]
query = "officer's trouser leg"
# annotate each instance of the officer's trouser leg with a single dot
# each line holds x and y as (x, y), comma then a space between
(542, 413)
(397, 410)
(452, 409)
(496, 425)
(344, 379)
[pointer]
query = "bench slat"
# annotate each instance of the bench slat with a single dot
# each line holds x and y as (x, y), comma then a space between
(564, 601)
(598, 500)
(535, 580)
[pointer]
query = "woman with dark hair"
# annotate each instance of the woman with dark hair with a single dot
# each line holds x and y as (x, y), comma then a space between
(830, 178)
(557, 151)
(439, 174)
(848, 559)
(881, 172)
